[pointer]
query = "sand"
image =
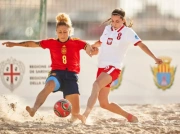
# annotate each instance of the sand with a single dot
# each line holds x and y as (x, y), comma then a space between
(153, 119)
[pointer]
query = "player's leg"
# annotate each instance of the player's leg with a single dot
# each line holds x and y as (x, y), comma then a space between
(71, 93)
(102, 80)
(113, 107)
(74, 100)
(52, 84)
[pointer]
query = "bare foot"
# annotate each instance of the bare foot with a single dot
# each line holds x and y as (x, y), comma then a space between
(72, 119)
(82, 118)
(131, 118)
(31, 111)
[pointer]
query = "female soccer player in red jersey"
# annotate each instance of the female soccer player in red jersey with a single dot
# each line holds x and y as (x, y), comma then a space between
(65, 57)
(114, 43)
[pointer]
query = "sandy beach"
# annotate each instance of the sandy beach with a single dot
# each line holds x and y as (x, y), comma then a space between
(153, 119)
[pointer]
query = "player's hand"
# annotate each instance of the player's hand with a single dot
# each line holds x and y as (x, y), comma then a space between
(94, 51)
(89, 50)
(158, 61)
(9, 44)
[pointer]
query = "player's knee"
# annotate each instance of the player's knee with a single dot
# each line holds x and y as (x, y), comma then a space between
(104, 105)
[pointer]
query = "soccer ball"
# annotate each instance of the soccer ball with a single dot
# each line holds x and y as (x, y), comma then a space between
(62, 108)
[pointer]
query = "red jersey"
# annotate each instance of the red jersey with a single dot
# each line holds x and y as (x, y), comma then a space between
(64, 55)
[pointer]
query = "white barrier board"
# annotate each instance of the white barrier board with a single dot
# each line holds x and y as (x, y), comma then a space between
(23, 72)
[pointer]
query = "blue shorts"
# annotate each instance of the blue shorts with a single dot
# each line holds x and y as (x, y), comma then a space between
(65, 81)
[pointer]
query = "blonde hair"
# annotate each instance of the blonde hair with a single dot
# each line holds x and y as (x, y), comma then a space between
(64, 19)
(121, 13)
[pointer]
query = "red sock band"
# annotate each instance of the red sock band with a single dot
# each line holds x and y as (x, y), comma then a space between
(129, 117)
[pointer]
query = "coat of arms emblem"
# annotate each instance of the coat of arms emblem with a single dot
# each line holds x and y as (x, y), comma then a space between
(164, 74)
(109, 41)
(11, 73)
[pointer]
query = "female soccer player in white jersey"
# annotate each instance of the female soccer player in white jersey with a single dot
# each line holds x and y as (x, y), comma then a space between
(114, 42)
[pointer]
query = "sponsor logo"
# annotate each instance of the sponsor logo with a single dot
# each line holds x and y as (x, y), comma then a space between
(164, 74)
(11, 73)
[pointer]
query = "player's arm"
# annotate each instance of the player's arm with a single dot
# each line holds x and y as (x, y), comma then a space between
(22, 44)
(97, 44)
(88, 49)
(147, 51)
(91, 50)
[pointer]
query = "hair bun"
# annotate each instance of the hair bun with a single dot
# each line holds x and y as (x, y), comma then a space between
(62, 17)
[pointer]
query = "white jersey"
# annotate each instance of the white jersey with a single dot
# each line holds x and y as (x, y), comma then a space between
(114, 45)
